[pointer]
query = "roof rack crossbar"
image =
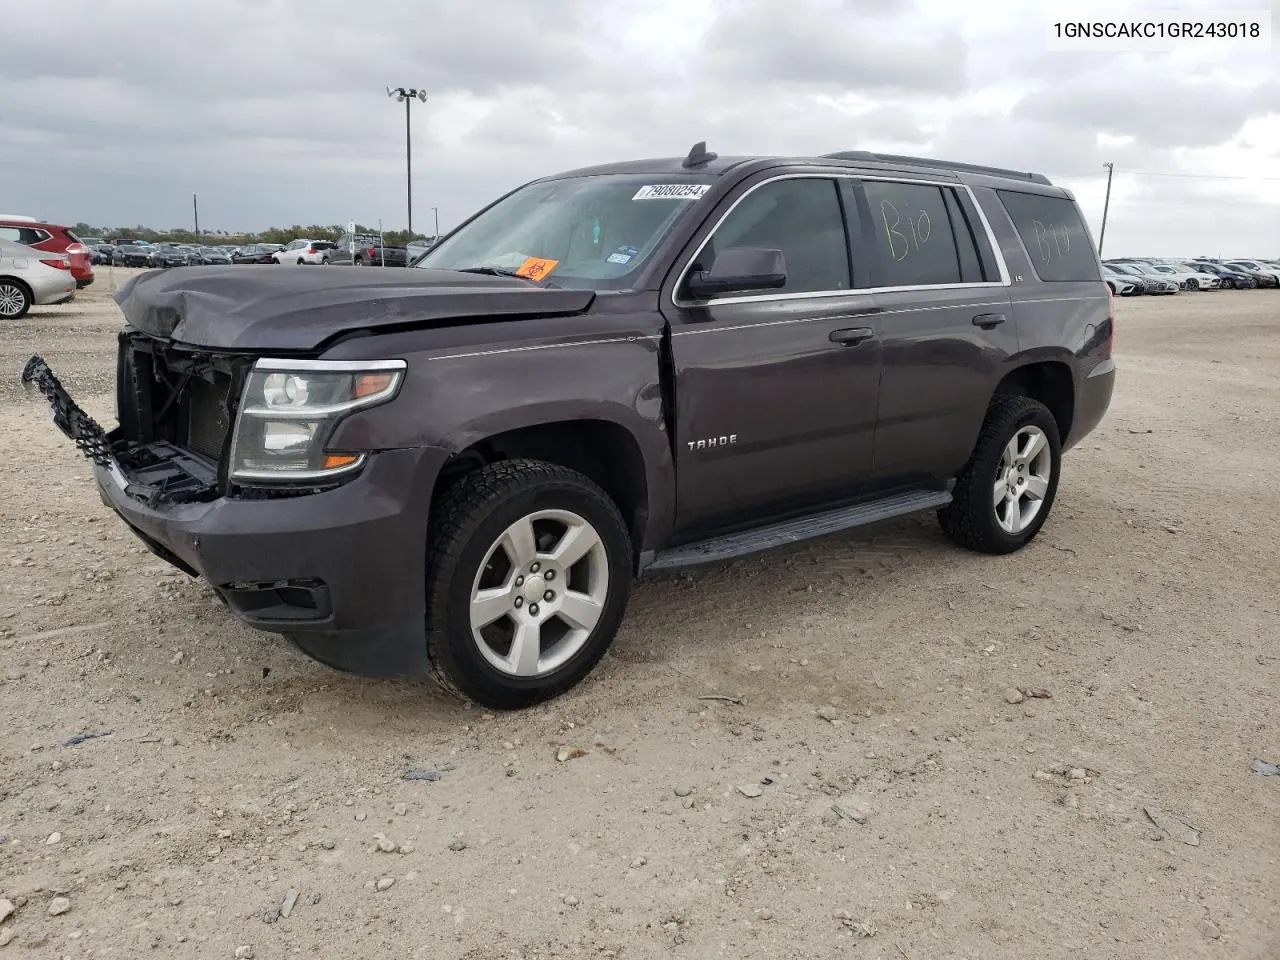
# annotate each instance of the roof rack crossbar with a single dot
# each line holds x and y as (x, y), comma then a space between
(869, 157)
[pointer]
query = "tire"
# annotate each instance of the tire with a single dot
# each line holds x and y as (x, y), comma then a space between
(974, 518)
(470, 551)
(301, 262)
(358, 262)
(15, 299)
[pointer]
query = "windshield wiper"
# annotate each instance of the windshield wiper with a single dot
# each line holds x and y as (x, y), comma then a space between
(491, 272)
(504, 272)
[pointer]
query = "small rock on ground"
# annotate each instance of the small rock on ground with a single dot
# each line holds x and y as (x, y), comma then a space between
(683, 790)
(6, 910)
(6, 936)
(750, 790)
(244, 953)
(828, 713)
(58, 906)
(386, 883)
(1013, 695)
(571, 901)
(458, 845)
(1209, 929)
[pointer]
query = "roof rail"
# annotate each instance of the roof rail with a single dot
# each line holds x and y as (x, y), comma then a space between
(869, 157)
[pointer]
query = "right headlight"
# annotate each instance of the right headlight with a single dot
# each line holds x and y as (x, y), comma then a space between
(289, 409)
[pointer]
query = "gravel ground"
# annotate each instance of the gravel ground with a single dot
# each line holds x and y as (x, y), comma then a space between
(866, 789)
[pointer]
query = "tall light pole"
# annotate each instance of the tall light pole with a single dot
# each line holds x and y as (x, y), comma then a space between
(1106, 204)
(407, 95)
(436, 212)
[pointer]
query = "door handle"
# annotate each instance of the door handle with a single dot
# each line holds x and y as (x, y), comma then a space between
(988, 320)
(852, 335)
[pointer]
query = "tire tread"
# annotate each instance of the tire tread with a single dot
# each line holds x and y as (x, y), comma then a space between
(460, 509)
(965, 519)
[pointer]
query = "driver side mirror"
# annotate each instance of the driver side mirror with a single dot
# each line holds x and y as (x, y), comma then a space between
(740, 270)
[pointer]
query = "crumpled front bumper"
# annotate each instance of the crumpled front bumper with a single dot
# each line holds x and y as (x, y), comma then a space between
(341, 572)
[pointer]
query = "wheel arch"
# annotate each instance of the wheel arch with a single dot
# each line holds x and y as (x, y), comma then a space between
(1048, 380)
(600, 447)
(7, 278)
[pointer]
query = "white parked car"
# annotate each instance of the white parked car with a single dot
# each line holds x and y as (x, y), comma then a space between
(31, 277)
(1205, 279)
(1120, 284)
(1183, 278)
(302, 252)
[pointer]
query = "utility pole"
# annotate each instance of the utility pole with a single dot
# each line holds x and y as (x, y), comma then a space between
(436, 212)
(195, 208)
(1105, 206)
(407, 95)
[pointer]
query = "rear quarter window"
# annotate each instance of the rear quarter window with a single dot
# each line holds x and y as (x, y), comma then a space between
(1054, 234)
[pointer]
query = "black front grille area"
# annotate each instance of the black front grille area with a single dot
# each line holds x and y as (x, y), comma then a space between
(208, 422)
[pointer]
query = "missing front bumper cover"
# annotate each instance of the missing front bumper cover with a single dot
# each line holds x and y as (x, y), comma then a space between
(89, 437)
(151, 473)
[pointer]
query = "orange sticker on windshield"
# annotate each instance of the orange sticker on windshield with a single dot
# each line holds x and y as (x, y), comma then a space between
(536, 268)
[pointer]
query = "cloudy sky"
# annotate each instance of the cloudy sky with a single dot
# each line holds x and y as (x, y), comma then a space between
(275, 111)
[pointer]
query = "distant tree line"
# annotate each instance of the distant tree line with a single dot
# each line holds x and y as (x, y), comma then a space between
(271, 235)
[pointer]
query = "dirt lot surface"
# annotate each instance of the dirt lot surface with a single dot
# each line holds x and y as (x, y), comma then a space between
(870, 673)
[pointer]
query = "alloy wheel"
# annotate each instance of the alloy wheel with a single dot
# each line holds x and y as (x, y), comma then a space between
(13, 300)
(1022, 479)
(539, 593)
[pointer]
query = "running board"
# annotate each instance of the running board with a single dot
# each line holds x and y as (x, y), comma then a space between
(811, 527)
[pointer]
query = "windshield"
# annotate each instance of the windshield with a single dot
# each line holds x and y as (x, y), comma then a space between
(589, 232)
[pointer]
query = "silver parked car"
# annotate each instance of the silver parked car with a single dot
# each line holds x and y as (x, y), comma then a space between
(31, 277)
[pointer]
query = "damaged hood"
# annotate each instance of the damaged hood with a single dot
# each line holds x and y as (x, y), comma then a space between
(297, 309)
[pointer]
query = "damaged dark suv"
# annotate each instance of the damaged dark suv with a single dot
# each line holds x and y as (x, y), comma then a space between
(461, 467)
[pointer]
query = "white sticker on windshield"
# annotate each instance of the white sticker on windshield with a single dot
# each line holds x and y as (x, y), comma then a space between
(672, 191)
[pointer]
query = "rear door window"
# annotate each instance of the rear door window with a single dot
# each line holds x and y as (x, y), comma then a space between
(921, 236)
(1054, 234)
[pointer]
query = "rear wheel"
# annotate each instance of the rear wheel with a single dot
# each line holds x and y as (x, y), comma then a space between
(528, 574)
(15, 300)
(1003, 496)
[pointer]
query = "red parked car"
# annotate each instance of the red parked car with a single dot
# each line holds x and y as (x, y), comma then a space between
(53, 238)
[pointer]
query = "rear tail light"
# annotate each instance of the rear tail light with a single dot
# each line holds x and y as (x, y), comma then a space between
(373, 251)
(312, 251)
(62, 264)
(77, 248)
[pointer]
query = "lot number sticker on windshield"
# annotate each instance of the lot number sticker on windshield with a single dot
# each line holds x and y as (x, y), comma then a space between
(672, 191)
(536, 268)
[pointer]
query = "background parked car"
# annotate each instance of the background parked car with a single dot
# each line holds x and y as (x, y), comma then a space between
(1152, 283)
(302, 252)
(1256, 268)
(1121, 284)
(130, 254)
(1231, 279)
(211, 256)
(51, 238)
(255, 253)
(31, 277)
(363, 250)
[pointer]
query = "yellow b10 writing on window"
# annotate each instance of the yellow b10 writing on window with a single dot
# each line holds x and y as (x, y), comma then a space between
(1053, 241)
(905, 233)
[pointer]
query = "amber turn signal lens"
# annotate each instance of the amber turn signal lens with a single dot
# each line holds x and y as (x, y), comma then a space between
(333, 461)
(368, 384)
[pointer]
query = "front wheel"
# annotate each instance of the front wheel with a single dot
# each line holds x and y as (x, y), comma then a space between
(528, 575)
(1003, 496)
